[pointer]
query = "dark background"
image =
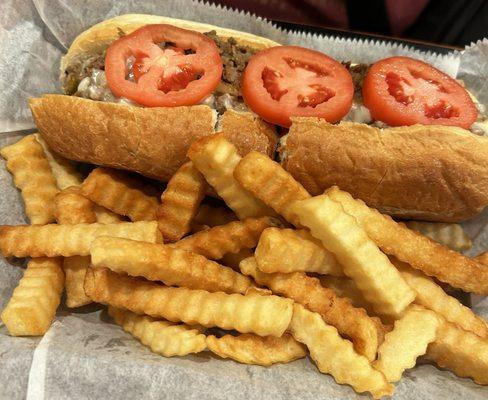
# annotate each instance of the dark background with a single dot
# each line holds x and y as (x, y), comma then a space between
(448, 22)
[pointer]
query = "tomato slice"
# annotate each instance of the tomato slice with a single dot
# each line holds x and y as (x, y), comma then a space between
(181, 74)
(404, 91)
(287, 81)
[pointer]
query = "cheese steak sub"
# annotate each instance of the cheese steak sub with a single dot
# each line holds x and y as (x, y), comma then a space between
(90, 123)
(426, 172)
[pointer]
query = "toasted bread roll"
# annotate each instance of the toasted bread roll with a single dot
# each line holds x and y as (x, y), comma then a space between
(432, 173)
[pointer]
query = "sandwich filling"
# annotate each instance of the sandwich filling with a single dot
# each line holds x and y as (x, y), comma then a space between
(87, 78)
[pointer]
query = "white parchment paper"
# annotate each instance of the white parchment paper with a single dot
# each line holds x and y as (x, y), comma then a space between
(84, 355)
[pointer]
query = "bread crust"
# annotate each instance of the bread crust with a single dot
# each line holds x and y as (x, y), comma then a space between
(150, 141)
(97, 38)
(426, 172)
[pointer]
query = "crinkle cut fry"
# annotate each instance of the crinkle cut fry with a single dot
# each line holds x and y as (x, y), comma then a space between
(105, 216)
(270, 183)
(289, 250)
(263, 315)
(248, 348)
(460, 351)
(449, 235)
(218, 241)
(334, 355)
(64, 170)
(415, 249)
(69, 240)
(32, 174)
(337, 311)
(408, 340)
(32, 307)
(180, 202)
(173, 267)
(372, 271)
(119, 193)
(162, 337)
(72, 208)
(215, 157)
(431, 296)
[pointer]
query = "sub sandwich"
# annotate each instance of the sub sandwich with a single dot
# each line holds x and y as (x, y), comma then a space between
(401, 135)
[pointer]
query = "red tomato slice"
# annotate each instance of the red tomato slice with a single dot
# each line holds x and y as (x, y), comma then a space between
(164, 77)
(403, 91)
(287, 81)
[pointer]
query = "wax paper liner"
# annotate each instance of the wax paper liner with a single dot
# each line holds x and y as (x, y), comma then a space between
(84, 355)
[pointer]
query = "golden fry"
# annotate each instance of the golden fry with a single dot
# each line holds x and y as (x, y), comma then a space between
(218, 241)
(119, 193)
(32, 307)
(415, 249)
(180, 202)
(69, 240)
(406, 342)
(248, 348)
(449, 235)
(263, 315)
(173, 267)
(379, 281)
(269, 182)
(345, 287)
(72, 208)
(337, 311)
(162, 337)
(216, 158)
(64, 170)
(289, 250)
(33, 176)
(257, 291)
(336, 356)
(208, 217)
(432, 296)
(482, 258)
(463, 352)
(105, 216)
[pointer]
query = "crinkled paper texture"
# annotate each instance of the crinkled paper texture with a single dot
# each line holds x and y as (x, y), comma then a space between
(84, 355)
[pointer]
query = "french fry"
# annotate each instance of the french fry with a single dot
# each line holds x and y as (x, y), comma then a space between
(463, 352)
(32, 174)
(72, 208)
(173, 267)
(336, 356)
(105, 216)
(180, 202)
(257, 291)
(216, 158)
(208, 217)
(263, 315)
(432, 296)
(69, 240)
(215, 242)
(270, 183)
(337, 311)
(64, 170)
(449, 235)
(407, 341)
(32, 307)
(162, 337)
(234, 259)
(289, 250)
(379, 281)
(415, 249)
(482, 258)
(119, 193)
(248, 348)
(345, 287)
